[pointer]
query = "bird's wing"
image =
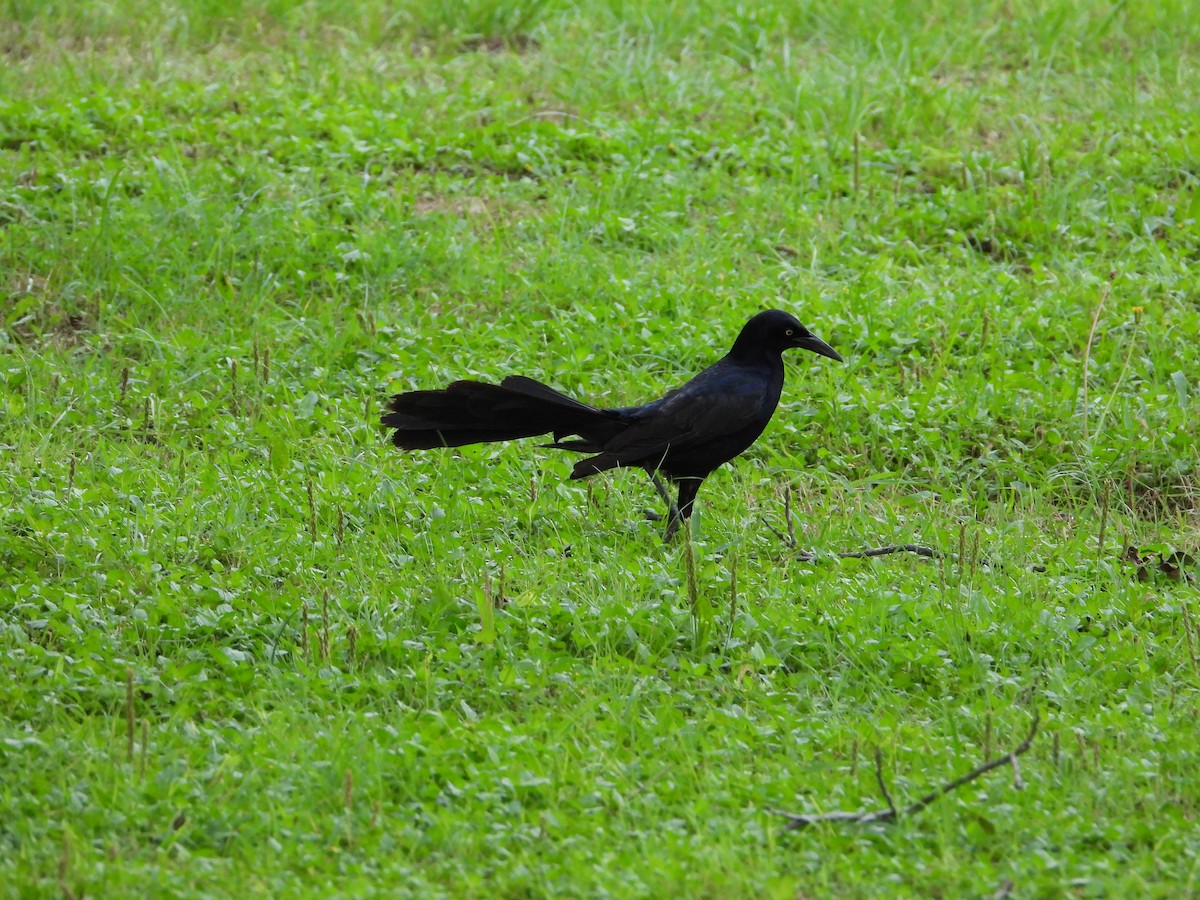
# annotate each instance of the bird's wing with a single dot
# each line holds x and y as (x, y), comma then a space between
(722, 400)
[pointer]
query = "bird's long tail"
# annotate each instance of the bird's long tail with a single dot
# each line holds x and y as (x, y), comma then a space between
(472, 412)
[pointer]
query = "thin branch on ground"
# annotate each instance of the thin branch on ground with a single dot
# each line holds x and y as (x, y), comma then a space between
(790, 537)
(919, 549)
(779, 534)
(890, 813)
(883, 784)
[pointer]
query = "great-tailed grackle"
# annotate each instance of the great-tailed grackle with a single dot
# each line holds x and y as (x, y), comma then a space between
(685, 435)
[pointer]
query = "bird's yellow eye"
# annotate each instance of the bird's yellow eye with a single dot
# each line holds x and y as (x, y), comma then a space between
(790, 332)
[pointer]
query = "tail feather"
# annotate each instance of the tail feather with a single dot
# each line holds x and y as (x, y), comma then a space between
(472, 412)
(594, 465)
(528, 387)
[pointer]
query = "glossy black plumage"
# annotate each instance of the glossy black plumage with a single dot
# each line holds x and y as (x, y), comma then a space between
(684, 435)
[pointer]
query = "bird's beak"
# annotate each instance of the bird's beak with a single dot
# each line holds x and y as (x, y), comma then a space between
(816, 345)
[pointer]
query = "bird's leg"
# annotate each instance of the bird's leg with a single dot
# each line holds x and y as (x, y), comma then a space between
(672, 528)
(683, 512)
(672, 509)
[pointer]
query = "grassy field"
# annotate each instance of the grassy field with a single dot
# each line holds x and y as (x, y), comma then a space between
(250, 649)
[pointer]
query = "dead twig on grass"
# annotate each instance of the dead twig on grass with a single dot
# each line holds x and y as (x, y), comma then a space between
(790, 541)
(890, 813)
(919, 549)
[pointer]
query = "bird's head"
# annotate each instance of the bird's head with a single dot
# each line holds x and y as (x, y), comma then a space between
(776, 331)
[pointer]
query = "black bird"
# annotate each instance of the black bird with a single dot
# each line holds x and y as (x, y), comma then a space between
(684, 435)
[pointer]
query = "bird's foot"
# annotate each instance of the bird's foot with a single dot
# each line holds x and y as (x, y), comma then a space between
(673, 528)
(652, 516)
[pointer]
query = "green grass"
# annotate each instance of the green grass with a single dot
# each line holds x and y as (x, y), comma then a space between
(228, 230)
